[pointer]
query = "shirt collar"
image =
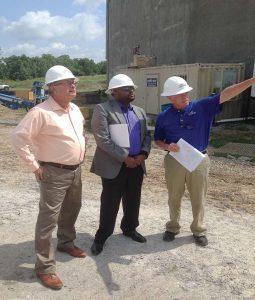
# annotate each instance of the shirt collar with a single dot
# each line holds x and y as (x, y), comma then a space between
(186, 109)
(55, 106)
(124, 108)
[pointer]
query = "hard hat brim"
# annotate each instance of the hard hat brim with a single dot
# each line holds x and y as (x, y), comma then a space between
(109, 90)
(182, 91)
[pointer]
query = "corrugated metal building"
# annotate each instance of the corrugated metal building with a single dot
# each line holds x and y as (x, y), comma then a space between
(179, 32)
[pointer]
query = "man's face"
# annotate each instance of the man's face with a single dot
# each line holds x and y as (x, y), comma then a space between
(179, 101)
(125, 94)
(64, 89)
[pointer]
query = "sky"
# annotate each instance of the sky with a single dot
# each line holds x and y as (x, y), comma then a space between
(57, 27)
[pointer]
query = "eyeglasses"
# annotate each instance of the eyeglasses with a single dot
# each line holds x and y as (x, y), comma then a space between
(127, 88)
(67, 82)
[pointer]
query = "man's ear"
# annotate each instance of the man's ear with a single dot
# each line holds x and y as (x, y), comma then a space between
(113, 92)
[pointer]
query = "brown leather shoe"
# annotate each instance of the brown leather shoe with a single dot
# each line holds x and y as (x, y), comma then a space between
(51, 281)
(73, 251)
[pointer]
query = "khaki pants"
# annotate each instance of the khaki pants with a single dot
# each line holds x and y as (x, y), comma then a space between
(60, 203)
(176, 177)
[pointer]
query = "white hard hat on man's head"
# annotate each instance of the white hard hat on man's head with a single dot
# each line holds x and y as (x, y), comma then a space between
(175, 85)
(119, 81)
(57, 73)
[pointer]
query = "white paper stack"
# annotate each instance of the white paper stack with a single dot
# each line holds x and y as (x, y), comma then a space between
(188, 156)
(119, 135)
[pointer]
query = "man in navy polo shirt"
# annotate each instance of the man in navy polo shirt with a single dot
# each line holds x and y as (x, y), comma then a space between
(192, 122)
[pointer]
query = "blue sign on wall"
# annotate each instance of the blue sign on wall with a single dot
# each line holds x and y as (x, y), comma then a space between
(152, 82)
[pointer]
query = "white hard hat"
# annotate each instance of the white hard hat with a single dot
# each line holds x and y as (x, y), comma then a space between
(57, 73)
(119, 81)
(175, 85)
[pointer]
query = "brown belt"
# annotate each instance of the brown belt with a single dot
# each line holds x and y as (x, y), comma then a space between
(68, 167)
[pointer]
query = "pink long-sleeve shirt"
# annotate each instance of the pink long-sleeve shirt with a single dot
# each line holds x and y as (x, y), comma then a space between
(50, 133)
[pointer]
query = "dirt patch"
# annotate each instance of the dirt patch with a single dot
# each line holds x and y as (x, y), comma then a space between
(125, 269)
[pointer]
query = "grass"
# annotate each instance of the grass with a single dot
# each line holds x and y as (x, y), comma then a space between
(232, 133)
(91, 83)
(85, 84)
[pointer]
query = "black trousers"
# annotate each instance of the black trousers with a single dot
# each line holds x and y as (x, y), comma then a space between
(126, 186)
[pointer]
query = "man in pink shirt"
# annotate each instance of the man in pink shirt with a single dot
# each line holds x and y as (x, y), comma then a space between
(54, 132)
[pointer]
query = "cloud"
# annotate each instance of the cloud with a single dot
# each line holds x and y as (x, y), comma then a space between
(90, 3)
(41, 25)
(39, 32)
(92, 6)
(56, 49)
(81, 2)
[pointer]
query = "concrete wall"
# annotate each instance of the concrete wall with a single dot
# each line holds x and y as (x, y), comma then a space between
(181, 31)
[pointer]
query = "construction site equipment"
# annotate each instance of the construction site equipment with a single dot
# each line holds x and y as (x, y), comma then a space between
(25, 94)
(205, 79)
(4, 87)
(14, 102)
(39, 91)
(24, 99)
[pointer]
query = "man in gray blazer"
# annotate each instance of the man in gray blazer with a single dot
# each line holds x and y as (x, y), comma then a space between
(121, 168)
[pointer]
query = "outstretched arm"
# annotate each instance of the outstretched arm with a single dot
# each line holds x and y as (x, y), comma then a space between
(234, 90)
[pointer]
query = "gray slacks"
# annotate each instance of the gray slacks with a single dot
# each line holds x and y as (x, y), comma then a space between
(60, 203)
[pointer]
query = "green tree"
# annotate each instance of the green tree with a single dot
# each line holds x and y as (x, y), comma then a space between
(3, 69)
(18, 67)
(24, 67)
(101, 67)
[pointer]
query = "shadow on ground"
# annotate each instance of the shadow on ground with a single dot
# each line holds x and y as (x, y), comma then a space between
(19, 266)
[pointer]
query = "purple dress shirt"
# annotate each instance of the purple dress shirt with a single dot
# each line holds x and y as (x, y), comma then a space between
(134, 129)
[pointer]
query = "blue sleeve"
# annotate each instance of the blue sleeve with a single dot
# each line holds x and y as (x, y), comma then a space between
(211, 105)
(159, 133)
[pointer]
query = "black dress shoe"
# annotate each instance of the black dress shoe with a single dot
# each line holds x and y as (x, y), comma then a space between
(96, 248)
(201, 240)
(169, 236)
(135, 236)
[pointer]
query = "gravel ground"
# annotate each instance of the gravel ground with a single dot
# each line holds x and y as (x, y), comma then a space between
(125, 269)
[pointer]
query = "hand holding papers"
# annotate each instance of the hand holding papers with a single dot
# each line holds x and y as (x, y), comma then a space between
(119, 135)
(188, 156)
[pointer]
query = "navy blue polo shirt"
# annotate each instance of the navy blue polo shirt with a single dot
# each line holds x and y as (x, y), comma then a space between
(193, 124)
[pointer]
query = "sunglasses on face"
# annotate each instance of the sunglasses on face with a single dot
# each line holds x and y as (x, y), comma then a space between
(127, 88)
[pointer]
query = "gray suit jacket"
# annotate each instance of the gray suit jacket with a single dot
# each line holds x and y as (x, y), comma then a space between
(109, 157)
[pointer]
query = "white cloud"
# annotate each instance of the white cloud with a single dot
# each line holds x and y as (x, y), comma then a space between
(91, 3)
(87, 27)
(39, 32)
(82, 1)
(55, 49)
(41, 25)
